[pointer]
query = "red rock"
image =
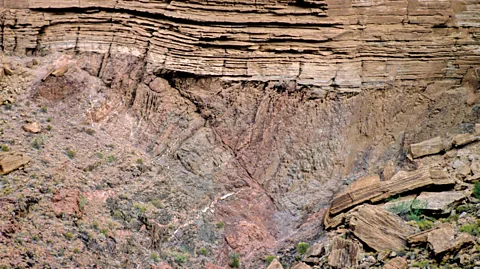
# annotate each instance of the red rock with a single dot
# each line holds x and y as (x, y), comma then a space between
(162, 265)
(66, 202)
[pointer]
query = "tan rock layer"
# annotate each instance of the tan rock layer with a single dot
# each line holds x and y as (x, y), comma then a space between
(342, 45)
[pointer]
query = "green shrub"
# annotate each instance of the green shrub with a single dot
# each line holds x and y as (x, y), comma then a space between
(68, 235)
(154, 257)
(111, 158)
(76, 250)
(471, 228)
(37, 143)
(44, 109)
(141, 209)
(476, 190)
(49, 119)
(70, 153)
(95, 225)
(425, 224)
(104, 231)
(234, 261)
(180, 258)
(203, 251)
(157, 203)
(139, 161)
(302, 247)
(100, 155)
(89, 131)
(49, 127)
(220, 225)
(269, 259)
(5, 148)
(82, 202)
(422, 264)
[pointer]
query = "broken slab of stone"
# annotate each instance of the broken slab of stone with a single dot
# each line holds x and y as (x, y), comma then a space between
(8, 71)
(33, 127)
(400, 205)
(378, 228)
(344, 253)
(396, 263)
(427, 147)
(443, 241)
(439, 202)
(275, 264)
(10, 161)
(406, 181)
(464, 139)
(441, 177)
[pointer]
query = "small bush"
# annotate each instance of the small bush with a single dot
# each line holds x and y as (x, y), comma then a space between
(90, 131)
(49, 127)
(70, 153)
(154, 257)
(99, 155)
(476, 190)
(139, 161)
(82, 203)
(425, 224)
(95, 225)
(471, 228)
(141, 209)
(111, 158)
(104, 231)
(302, 247)
(422, 264)
(76, 250)
(157, 203)
(234, 261)
(180, 258)
(203, 251)
(49, 119)
(269, 259)
(5, 148)
(68, 235)
(44, 109)
(220, 225)
(37, 143)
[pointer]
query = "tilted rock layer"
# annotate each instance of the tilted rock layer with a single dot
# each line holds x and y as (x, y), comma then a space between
(337, 45)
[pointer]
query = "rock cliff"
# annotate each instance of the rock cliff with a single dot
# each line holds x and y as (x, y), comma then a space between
(337, 45)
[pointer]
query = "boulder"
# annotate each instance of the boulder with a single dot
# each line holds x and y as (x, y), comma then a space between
(66, 202)
(275, 264)
(33, 127)
(8, 71)
(438, 202)
(443, 241)
(10, 161)
(344, 253)
(367, 220)
(396, 263)
(428, 147)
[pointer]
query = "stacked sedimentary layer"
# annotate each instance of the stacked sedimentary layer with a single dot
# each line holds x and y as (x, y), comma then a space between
(343, 45)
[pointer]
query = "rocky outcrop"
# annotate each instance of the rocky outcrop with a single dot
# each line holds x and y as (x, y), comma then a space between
(345, 46)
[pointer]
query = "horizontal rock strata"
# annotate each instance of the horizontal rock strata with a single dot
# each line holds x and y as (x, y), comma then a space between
(337, 45)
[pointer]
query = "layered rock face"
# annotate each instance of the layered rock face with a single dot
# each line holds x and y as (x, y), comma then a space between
(336, 45)
(197, 84)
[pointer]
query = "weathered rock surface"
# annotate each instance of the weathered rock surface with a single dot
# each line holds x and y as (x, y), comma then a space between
(11, 161)
(337, 45)
(344, 253)
(301, 265)
(428, 147)
(33, 127)
(367, 221)
(396, 263)
(442, 240)
(275, 264)
(382, 190)
(439, 202)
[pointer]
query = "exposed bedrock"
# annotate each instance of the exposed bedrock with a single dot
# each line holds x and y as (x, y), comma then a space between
(274, 105)
(345, 46)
